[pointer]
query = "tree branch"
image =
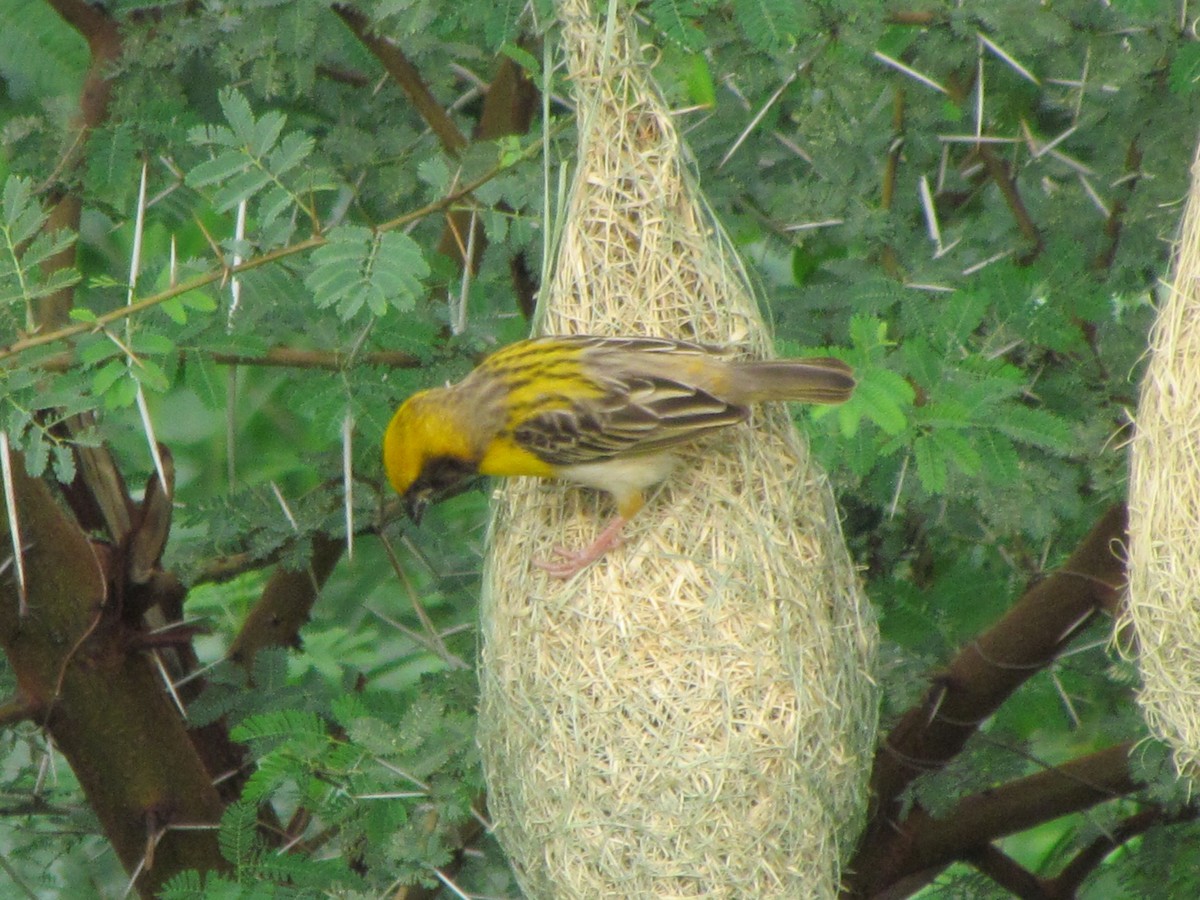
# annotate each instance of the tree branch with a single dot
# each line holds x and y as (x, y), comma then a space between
(889, 261)
(276, 357)
(508, 108)
(286, 601)
(104, 42)
(406, 75)
(14, 711)
(333, 360)
(1116, 218)
(980, 678)
(1007, 872)
(1067, 883)
(981, 818)
(102, 703)
(966, 832)
(998, 171)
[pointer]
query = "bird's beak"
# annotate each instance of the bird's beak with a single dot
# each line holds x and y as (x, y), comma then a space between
(416, 502)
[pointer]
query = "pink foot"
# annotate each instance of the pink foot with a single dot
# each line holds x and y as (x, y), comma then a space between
(572, 562)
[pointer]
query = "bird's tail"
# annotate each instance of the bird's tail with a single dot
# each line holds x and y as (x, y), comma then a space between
(815, 380)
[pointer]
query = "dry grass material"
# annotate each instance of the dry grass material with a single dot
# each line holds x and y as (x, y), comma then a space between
(694, 715)
(1164, 509)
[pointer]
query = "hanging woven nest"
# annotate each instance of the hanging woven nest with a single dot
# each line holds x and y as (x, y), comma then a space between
(692, 716)
(1164, 509)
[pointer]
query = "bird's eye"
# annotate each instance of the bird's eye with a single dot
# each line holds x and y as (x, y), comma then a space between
(446, 472)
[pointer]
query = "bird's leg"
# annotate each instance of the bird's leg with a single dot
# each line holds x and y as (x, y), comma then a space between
(571, 562)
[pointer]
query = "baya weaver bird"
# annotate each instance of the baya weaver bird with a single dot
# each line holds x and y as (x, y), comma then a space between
(601, 412)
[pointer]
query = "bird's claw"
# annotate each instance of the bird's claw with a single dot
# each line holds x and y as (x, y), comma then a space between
(572, 562)
(569, 563)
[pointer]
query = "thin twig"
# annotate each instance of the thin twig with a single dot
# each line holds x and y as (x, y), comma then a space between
(14, 525)
(435, 641)
(910, 72)
(218, 275)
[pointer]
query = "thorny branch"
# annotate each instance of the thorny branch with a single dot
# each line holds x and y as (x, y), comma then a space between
(975, 683)
(407, 76)
(999, 172)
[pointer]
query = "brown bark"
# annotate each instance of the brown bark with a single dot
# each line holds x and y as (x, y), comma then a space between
(507, 109)
(102, 701)
(981, 818)
(104, 42)
(980, 678)
(286, 603)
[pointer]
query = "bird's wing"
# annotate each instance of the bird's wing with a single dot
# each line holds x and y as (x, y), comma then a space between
(641, 414)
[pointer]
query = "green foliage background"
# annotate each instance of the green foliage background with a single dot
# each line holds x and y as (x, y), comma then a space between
(997, 360)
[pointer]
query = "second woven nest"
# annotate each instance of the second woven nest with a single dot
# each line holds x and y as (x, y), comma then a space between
(1164, 510)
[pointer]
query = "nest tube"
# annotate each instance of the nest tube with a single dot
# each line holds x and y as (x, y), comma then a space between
(1163, 602)
(694, 715)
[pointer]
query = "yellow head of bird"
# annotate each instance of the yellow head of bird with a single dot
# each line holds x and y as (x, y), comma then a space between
(427, 451)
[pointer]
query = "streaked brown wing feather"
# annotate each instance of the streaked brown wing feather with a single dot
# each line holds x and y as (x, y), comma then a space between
(640, 415)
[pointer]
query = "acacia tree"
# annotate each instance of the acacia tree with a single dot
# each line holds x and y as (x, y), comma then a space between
(234, 237)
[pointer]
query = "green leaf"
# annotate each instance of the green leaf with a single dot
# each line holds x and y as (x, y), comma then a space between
(522, 57)
(184, 886)
(107, 376)
(16, 204)
(869, 335)
(702, 90)
(265, 133)
(1037, 427)
(240, 187)
(931, 463)
(284, 724)
(275, 202)
(272, 772)
(923, 362)
(941, 414)
(41, 60)
(174, 310)
(97, 350)
(112, 156)
(150, 342)
(238, 114)
(501, 24)
(882, 396)
(206, 381)
(359, 268)
(211, 135)
(24, 247)
(238, 836)
(199, 300)
(998, 458)
(957, 448)
(676, 19)
(220, 168)
(150, 374)
(44, 246)
(434, 172)
(1185, 69)
(64, 463)
(121, 394)
(37, 452)
(770, 25)
(291, 152)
